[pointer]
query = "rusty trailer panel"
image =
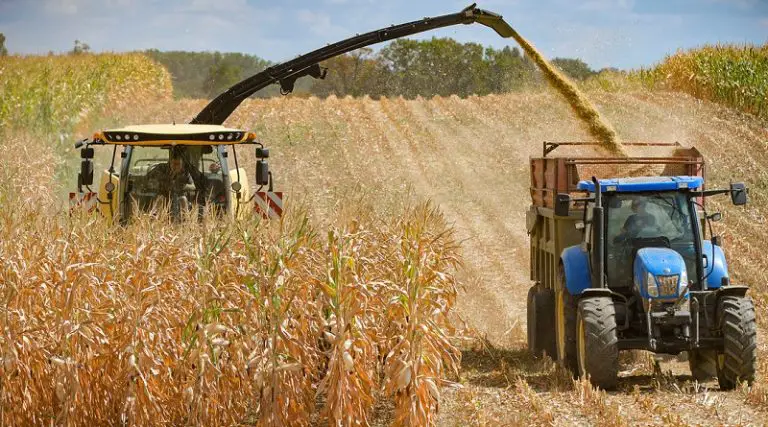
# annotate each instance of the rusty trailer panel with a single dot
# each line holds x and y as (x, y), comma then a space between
(561, 174)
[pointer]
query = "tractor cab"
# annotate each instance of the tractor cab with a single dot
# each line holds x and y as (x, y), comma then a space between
(179, 169)
(654, 212)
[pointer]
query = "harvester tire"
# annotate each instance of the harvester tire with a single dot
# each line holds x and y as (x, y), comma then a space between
(566, 306)
(738, 361)
(597, 344)
(703, 364)
(541, 315)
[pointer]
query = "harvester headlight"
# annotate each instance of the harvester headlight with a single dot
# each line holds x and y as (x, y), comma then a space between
(211, 137)
(229, 137)
(221, 137)
(135, 137)
(651, 286)
(127, 137)
(118, 137)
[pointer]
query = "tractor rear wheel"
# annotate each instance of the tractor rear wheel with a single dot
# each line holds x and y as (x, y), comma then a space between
(541, 315)
(738, 361)
(565, 324)
(597, 343)
(703, 364)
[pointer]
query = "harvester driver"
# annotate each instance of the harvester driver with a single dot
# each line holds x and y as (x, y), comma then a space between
(174, 177)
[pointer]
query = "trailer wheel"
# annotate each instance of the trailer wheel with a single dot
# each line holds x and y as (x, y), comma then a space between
(597, 343)
(703, 364)
(541, 314)
(565, 325)
(738, 361)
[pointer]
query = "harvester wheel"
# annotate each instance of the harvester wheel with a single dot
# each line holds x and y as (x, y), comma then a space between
(565, 325)
(541, 315)
(596, 342)
(738, 361)
(703, 364)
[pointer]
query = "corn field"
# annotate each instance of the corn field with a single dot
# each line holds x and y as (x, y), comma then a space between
(348, 311)
(734, 75)
(207, 324)
(52, 94)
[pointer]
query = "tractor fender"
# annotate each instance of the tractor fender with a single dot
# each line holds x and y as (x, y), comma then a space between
(732, 291)
(575, 263)
(717, 268)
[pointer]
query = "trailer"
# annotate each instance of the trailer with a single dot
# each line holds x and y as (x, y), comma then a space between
(622, 257)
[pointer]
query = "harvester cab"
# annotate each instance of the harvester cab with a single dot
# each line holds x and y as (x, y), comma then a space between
(635, 269)
(177, 168)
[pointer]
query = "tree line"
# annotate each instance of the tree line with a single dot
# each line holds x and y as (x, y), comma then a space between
(405, 67)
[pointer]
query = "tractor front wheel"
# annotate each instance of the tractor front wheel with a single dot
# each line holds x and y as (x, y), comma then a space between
(565, 324)
(596, 341)
(738, 360)
(541, 315)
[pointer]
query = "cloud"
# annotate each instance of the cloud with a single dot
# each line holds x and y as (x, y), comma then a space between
(607, 5)
(741, 4)
(319, 23)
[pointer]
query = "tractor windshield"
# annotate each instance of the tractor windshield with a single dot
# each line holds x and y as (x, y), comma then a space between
(177, 177)
(635, 220)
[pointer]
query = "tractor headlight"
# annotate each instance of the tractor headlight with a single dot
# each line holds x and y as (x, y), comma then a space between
(651, 286)
(683, 279)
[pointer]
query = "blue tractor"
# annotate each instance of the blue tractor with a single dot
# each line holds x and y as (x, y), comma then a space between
(627, 264)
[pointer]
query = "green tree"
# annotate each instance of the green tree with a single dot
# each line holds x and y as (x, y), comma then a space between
(574, 68)
(357, 73)
(80, 47)
(508, 70)
(190, 70)
(440, 66)
(221, 75)
(3, 49)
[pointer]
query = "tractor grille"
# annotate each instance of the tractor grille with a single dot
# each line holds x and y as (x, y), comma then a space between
(668, 285)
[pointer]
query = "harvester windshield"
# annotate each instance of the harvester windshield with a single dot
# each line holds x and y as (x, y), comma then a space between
(173, 176)
(635, 220)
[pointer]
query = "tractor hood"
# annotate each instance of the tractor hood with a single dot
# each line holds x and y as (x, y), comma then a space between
(659, 273)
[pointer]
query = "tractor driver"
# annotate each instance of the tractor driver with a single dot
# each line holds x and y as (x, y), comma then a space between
(639, 220)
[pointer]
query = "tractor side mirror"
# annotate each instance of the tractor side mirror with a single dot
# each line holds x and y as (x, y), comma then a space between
(262, 153)
(86, 172)
(715, 217)
(262, 172)
(717, 240)
(739, 193)
(562, 204)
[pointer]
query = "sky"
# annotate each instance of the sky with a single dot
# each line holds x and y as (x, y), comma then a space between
(604, 33)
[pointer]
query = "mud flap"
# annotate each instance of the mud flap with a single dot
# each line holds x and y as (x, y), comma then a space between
(83, 202)
(268, 204)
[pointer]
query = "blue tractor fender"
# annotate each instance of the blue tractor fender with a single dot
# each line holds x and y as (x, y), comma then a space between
(717, 268)
(575, 262)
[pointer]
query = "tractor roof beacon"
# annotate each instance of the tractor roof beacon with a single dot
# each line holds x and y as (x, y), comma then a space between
(631, 263)
(165, 165)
